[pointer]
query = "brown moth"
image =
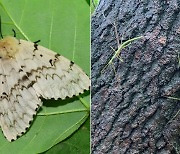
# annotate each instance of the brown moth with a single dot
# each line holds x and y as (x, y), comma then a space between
(29, 72)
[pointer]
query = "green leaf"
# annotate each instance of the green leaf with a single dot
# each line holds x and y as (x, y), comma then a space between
(62, 26)
(78, 143)
(94, 4)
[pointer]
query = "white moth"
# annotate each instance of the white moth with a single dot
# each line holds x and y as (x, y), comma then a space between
(29, 72)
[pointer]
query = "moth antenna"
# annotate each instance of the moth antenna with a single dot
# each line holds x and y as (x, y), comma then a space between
(14, 32)
(0, 28)
(36, 45)
(36, 41)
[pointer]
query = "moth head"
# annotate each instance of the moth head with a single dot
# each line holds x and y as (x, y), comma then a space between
(9, 46)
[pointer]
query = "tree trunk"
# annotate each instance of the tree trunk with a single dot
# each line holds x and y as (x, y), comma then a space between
(130, 109)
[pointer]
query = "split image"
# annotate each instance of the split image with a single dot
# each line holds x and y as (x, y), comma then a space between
(85, 77)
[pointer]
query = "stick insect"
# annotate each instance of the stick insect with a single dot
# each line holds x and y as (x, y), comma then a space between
(178, 60)
(120, 47)
(174, 98)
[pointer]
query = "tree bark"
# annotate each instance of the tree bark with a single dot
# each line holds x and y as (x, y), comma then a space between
(130, 109)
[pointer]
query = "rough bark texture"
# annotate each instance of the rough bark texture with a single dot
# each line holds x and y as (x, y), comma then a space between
(130, 110)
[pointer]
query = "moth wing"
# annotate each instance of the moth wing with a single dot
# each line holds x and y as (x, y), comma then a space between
(18, 102)
(54, 76)
(32, 74)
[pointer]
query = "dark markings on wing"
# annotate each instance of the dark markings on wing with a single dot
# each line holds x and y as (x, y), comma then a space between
(24, 78)
(36, 45)
(20, 70)
(31, 84)
(71, 64)
(51, 62)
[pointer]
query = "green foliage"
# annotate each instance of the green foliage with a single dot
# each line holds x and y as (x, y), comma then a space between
(88, 1)
(94, 4)
(62, 26)
(71, 146)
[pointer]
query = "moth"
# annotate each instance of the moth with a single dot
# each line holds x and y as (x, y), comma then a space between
(29, 72)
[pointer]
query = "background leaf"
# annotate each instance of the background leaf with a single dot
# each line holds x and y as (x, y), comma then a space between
(62, 26)
(70, 145)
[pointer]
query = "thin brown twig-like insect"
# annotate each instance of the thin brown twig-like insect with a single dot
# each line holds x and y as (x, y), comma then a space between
(178, 60)
(120, 47)
(174, 98)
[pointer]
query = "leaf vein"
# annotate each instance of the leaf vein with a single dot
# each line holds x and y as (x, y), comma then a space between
(14, 22)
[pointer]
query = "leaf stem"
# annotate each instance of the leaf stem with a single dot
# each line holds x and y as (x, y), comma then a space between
(84, 103)
(55, 113)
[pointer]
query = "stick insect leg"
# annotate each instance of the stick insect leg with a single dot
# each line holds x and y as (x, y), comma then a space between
(114, 68)
(119, 57)
(178, 56)
(116, 33)
(110, 62)
(113, 49)
(122, 36)
(117, 39)
(104, 68)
